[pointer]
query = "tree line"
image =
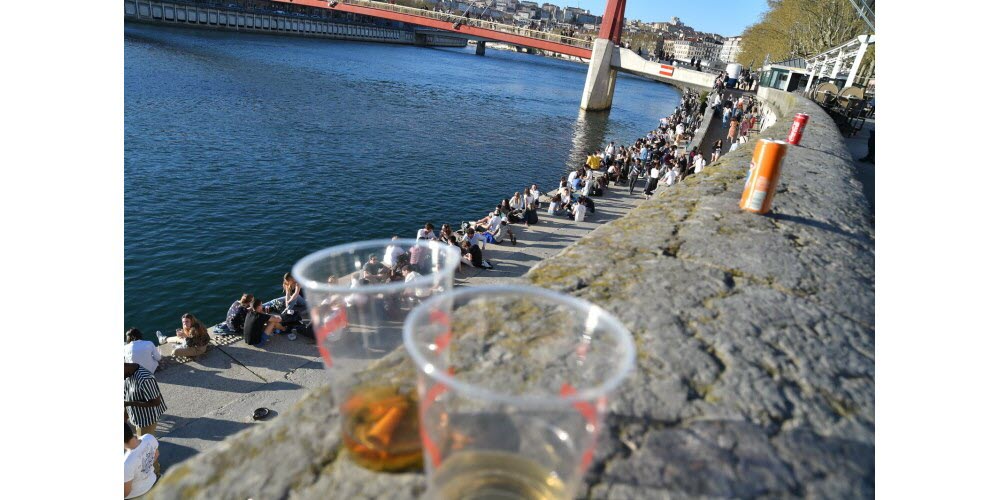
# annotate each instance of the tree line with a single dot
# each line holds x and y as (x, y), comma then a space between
(802, 28)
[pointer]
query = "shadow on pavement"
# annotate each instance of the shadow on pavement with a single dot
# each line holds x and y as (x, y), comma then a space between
(207, 429)
(818, 225)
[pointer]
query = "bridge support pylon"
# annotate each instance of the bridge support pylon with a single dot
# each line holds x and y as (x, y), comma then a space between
(600, 87)
(481, 48)
(599, 90)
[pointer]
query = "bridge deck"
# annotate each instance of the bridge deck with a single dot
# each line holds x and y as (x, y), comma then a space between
(477, 28)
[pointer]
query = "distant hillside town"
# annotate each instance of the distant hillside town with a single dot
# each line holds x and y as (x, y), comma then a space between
(650, 39)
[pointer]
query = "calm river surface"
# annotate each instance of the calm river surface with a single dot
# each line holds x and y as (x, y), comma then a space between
(245, 152)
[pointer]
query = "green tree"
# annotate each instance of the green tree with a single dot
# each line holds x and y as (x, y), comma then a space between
(799, 28)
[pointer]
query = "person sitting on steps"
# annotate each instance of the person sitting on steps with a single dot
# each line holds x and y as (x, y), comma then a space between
(238, 313)
(259, 324)
(504, 232)
(473, 255)
(143, 352)
(293, 299)
(490, 222)
(192, 338)
(375, 271)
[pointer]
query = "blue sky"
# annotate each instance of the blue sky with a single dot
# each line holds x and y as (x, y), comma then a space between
(725, 17)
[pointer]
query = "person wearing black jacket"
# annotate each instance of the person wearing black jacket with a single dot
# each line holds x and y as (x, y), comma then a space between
(259, 324)
(472, 254)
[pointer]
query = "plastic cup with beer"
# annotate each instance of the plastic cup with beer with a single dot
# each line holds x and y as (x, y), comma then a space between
(357, 305)
(514, 383)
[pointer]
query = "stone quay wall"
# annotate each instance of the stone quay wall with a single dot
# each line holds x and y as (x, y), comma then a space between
(755, 339)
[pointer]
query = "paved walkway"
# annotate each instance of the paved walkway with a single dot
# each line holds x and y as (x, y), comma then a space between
(717, 130)
(212, 397)
(864, 171)
(547, 238)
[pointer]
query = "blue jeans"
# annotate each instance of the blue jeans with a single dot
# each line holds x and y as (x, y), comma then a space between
(277, 305)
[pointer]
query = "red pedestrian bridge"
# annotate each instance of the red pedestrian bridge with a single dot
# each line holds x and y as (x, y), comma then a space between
(476, 29)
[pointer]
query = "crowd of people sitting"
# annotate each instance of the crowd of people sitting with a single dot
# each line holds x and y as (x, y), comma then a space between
(247, 316)
(144, 403)
(661, 157)
(257, 321)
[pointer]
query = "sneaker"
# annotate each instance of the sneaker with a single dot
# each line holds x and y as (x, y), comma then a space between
(161, 337)
(292, 336)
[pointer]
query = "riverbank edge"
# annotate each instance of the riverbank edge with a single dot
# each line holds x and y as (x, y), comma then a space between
(221, 335)
(755, 337)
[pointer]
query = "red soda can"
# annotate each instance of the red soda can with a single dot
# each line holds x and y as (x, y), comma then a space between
(795, 134)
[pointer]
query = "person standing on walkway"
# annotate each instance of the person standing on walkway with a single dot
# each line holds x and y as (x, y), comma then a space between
(654, 177)
(745, 126)
(733, 129)
(699, 162)
(143, 401)
(633, 176)
(670, 176)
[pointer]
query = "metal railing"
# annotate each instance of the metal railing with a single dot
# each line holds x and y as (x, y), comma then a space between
(479, 23)
(331, 18)
(865, 12)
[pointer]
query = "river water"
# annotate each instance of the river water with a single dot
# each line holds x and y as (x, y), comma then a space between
(245, 152)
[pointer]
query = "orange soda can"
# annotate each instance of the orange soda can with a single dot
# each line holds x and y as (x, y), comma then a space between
(762, 182)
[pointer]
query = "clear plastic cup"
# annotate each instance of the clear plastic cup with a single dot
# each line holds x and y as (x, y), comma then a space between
(514, 384)
(358, 318)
